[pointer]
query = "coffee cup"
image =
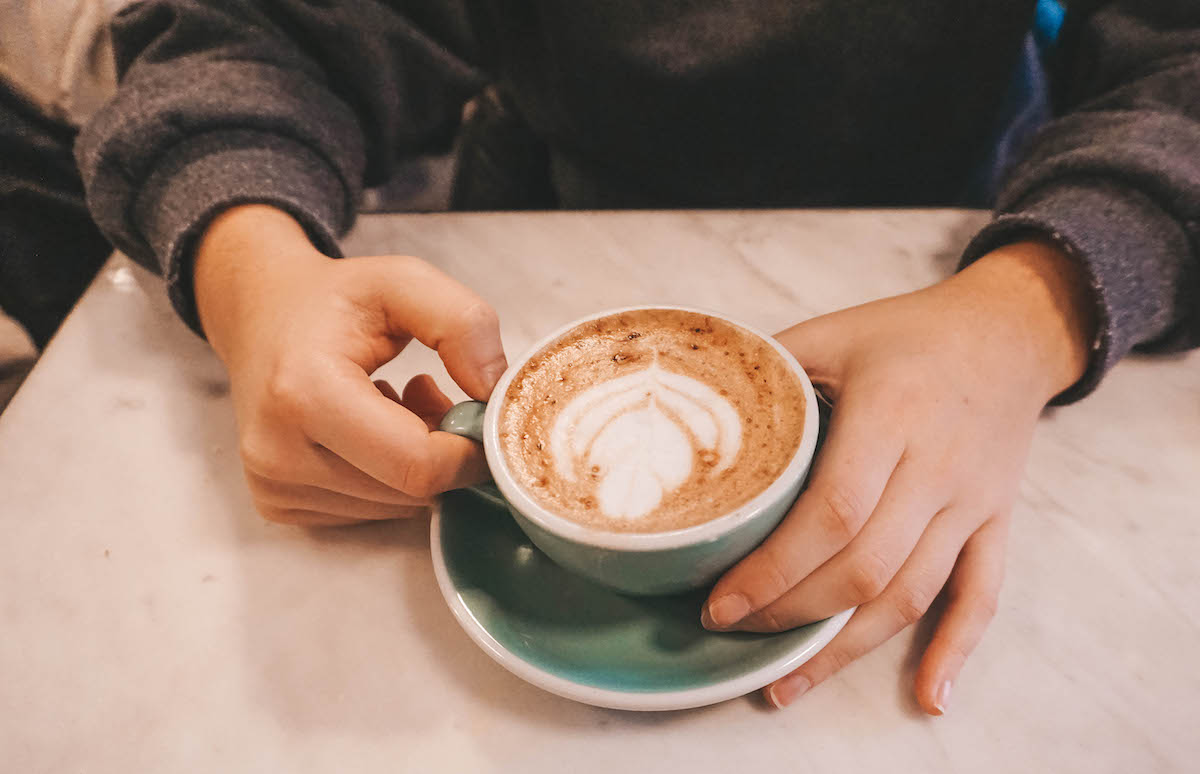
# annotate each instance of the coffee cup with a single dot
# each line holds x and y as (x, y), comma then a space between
(616, 549)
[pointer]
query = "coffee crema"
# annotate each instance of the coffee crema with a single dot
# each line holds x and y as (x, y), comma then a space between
(651, 420)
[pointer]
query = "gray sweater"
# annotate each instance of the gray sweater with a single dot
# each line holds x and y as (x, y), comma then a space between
(697, 103)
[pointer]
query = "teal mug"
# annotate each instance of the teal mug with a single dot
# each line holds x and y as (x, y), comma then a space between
(640, 563)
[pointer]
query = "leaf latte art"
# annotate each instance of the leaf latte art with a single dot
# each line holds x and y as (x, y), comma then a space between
(640, 435)
(650, 420)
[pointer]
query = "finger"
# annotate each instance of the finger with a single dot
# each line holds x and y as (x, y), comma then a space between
(423, 398)
(311, 498)
(817, 344)
(315, 466)
(387, 390)
(846, 485)
(972, 596)
(387, 441)
(447, 316)
(861, 571)
(303, 518)
(905, 600)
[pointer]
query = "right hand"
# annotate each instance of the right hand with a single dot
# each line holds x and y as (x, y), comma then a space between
(301, 333)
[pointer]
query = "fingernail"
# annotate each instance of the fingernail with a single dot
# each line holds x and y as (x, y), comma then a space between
(942, 700)
(784, 692)
(725, 611)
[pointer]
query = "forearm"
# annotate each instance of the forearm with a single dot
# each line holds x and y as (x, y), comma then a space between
(230, 105)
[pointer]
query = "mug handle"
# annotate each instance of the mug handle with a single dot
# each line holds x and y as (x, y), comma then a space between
(466, 419)
(824, 414)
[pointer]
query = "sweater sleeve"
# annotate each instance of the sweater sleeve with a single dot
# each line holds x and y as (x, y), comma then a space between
(1115, 178)
(289, 103)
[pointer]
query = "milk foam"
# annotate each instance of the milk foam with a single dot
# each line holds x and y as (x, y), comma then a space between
(640, 436)
(651, 420)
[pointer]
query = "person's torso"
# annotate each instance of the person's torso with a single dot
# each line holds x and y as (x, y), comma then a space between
(756, 102)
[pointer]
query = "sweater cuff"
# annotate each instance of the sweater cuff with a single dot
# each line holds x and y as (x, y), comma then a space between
(1125, 243)
(199, 178)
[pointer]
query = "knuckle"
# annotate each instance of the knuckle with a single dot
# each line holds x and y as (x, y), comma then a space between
(409, 268)
(869, 576)
(260, 460)
(842, 513)
(261, 489)
(365, 270)
(475, 316)
(478, 314)
(773, 578)
(912, 603)
(275, 514)
(956, 653)
(983, 605)
(769, 621)
(268, 492)
(419, 484)
(415, 477)
(286, 396)
(408, 263)
(838, 659)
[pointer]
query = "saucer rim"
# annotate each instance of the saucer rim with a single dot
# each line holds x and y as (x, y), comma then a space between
(643, 701)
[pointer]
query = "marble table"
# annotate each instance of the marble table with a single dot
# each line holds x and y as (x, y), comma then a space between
(151, 622)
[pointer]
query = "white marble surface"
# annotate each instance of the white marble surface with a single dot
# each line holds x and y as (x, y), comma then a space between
(151, 622)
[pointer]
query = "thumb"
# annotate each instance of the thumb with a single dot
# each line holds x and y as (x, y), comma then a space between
(437, 310)
(818, 344)
(473, 354)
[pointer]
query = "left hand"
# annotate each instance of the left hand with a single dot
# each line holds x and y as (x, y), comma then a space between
(300, 334)
(936, 397)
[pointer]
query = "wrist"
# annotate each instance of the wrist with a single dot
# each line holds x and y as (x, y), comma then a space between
(241, 261)
(1042, 294)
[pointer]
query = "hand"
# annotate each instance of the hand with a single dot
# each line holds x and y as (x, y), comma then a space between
(300, 334)
(936, 395)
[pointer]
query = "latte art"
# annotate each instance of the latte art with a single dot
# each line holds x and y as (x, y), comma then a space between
(651, 420)
(641, 435)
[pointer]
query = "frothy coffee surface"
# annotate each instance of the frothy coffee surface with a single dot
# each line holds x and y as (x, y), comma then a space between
(651, 420)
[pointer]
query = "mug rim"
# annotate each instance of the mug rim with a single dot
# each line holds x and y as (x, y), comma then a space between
(705, 532)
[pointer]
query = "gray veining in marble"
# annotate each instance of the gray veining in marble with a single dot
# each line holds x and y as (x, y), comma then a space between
(151, 622)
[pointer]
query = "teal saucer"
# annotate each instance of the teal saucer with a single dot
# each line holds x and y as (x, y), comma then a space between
(583, 641)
